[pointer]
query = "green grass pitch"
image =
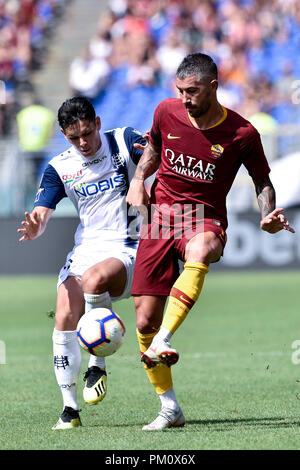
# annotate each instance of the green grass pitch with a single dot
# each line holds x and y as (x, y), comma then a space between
(235, 378)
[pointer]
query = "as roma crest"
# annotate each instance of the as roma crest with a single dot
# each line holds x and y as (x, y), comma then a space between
(216, 150)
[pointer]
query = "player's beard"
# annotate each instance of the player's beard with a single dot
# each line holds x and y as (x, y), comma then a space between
(199, 111)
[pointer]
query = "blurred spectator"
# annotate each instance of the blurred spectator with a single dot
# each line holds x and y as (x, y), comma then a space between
(24, 32)
(140, 73)
(141, 60)
(264, 123)
(171, 52)
(284, 85)
(35, 128)
(88, 74)
(266, 126)
(101, 44)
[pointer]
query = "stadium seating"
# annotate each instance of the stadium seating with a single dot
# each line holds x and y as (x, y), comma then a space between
(120, 104)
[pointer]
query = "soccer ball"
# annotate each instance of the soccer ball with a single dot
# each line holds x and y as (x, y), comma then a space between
(101, 332)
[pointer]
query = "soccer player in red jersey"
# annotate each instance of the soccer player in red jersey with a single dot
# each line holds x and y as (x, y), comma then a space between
(197, 146)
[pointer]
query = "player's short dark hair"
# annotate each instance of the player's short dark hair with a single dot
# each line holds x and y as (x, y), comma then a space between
(201, 65)
(75, 109)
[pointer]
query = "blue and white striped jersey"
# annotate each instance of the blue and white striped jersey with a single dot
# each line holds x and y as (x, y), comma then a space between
(97, 186)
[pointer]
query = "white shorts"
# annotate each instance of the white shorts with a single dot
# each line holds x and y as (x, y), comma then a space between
(83, 257)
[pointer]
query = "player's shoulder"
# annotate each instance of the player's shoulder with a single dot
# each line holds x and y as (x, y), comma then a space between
(116, 141)
(167, 108)
(170, 104)
(121, 140)
(241, 125)
(63, 156)
(122, 131)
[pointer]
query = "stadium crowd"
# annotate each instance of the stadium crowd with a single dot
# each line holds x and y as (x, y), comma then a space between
(25, 29)
(139, 44)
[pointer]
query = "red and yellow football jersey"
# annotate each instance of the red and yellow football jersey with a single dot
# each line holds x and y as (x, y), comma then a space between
(199, 166)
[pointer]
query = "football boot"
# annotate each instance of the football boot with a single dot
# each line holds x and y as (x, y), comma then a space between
(160, 352)
(69, 419)
(96, 385)
(167, 418)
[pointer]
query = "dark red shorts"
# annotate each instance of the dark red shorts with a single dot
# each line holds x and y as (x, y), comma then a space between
(159, 253)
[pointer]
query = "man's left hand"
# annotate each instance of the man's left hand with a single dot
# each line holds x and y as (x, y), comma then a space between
(275, 221)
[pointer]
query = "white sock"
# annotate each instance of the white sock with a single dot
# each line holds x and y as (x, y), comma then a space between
(97, 301)
(163, 334)
(168, 400)
(97, 361)
(67, 363)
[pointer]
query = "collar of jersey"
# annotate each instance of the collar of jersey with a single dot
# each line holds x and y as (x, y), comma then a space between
(217, 123)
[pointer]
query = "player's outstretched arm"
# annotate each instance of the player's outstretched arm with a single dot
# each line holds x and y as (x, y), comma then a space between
(272, 220)
(35, 223)
(149, 163)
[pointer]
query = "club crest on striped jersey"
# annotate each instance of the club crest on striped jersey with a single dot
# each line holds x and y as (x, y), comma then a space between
(118, 160)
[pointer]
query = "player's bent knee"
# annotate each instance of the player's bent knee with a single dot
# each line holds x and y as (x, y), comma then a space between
(204, 253)
(210, 256)
(93, 281)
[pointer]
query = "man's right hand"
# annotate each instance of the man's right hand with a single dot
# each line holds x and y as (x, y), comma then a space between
(31, 226)
(35, 223)
(137, 196)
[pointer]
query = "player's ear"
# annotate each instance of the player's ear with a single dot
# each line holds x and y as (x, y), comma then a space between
(98, 123)
(214, 84)
(63, 132)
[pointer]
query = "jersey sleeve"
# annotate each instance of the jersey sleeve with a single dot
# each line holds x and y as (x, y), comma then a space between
(132, 136)
(253, 155)
(51, 189)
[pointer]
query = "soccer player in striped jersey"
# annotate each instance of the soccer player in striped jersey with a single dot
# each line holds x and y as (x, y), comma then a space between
(197, 146)
(94, 173)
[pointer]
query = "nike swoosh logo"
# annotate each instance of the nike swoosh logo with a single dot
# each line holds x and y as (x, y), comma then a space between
(185, 300)
(173, 137)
